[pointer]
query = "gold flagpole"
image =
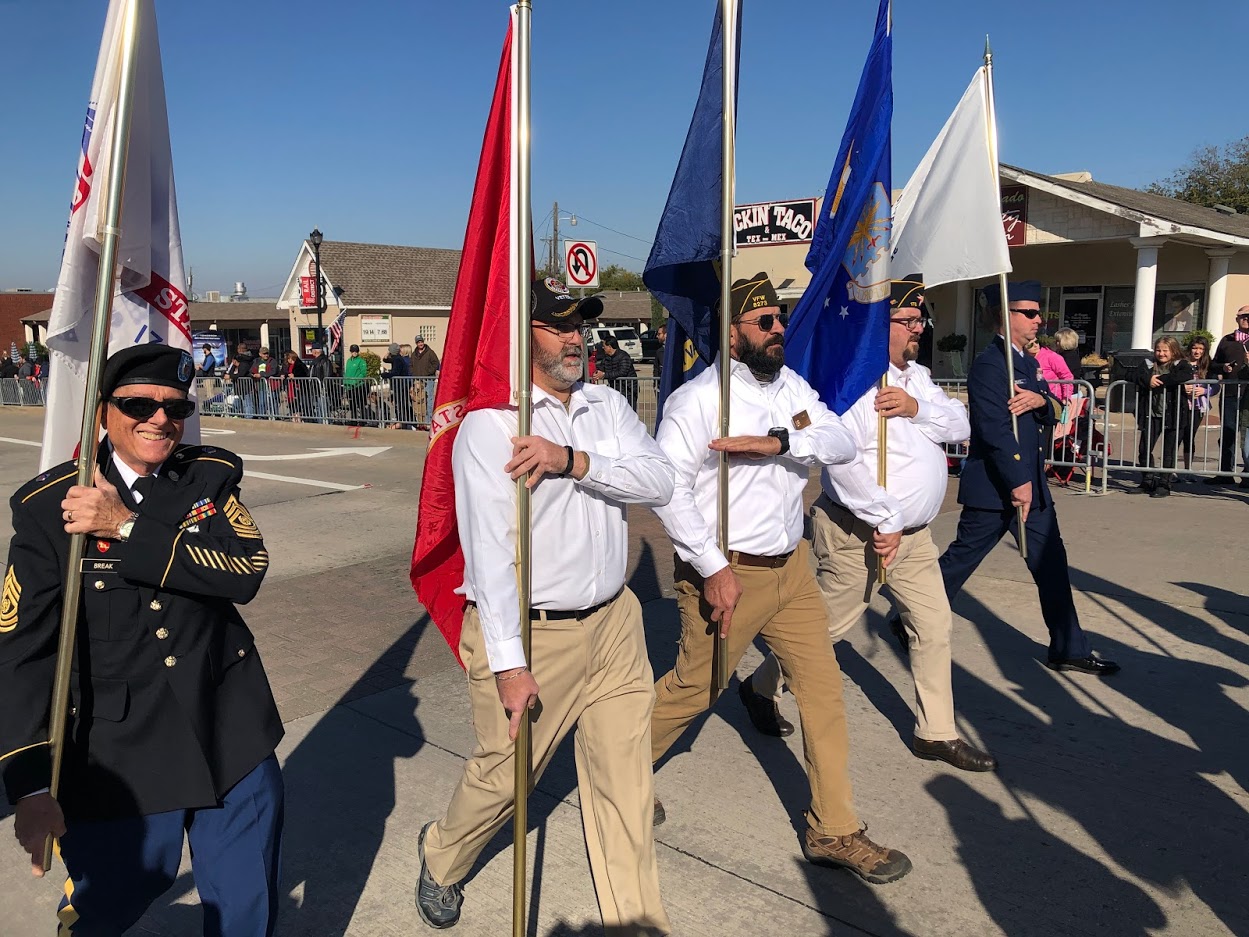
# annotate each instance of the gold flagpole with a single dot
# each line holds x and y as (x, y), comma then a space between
(1007, 344)
(728, 37)
(109, 235)
(523, 274)
(882, 443)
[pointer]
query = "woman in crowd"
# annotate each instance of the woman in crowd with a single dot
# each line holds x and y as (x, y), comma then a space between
(294, 368)
(1054, 369)
(1198, 398)
(1068, 342)
(1160, 404)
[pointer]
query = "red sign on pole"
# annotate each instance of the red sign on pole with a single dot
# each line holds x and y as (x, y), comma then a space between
(308, 292)
(1015, 214)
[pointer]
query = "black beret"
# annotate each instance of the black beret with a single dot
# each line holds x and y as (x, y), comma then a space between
(1017, 291)
(754, 293)
(907, 293)
(153, 363)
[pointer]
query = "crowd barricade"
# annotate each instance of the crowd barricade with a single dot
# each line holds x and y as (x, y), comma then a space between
(1182, 437)
(642, 394)
(21, 392)
(956, 389)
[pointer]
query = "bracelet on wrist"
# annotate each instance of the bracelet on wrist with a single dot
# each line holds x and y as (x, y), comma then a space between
(571, 459)
(500, 678)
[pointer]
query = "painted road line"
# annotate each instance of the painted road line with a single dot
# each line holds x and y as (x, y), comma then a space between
(21, 442)
(316, 453)
(294, 480)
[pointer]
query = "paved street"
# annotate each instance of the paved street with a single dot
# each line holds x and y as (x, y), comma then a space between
(1121, 807)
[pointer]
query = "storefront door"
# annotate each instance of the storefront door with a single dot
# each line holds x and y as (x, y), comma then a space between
(1083, 312)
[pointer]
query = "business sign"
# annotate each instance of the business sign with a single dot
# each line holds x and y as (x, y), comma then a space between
(374, 330)
(581, 262)
(774, 223)
(1015, 214)
(308, 292)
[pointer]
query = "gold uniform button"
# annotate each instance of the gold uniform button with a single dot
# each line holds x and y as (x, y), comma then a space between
(99, 585)
(171, 661)
(73, 710)
(162, 634)
(242, 653)
(155, 605)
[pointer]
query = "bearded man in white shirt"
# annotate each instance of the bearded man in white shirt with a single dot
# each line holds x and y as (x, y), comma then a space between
(855, 522)
(589, 456)
(778, 429)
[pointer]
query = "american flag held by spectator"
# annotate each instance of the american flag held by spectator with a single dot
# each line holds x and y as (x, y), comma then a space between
(336, 330)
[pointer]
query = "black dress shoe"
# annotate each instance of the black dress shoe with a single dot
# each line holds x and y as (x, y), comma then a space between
(899, 632)
(764, 713)
(1162, 491)
(955, 752)
(1091, 664)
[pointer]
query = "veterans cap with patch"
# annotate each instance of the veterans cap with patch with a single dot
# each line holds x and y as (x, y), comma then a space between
(754, 293)
(1018, 291)
(551, 303)
(153, 363)
(907, 293)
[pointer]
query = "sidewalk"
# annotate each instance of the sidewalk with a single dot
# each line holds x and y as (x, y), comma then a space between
(1121, 806)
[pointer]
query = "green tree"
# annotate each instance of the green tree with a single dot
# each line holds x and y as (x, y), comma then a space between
(616, 277)
(1212, 176)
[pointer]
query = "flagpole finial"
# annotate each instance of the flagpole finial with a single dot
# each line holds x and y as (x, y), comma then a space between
(988, 52)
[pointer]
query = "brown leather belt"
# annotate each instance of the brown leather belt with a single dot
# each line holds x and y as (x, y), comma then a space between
(738, 558)
(551, 614)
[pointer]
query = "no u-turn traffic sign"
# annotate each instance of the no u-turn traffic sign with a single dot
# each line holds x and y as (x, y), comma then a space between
(581, 262)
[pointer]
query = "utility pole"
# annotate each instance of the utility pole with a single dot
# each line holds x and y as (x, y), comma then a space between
(555, 241)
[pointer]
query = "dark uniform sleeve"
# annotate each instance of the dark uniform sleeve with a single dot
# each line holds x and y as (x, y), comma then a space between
(30, 614)
(990, 419)
(206, 547)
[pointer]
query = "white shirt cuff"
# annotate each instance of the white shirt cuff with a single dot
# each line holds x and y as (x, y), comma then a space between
(923, 411)
(507, 654)
(709, 563)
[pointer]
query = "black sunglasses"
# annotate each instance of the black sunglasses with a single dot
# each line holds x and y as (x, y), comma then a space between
(1030, 313)
(144, 408)
(767, 320)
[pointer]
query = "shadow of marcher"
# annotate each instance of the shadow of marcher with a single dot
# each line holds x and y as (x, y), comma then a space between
(998, 853)
(340, 790)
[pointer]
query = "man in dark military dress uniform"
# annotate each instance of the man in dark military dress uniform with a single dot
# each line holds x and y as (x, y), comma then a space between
(1002, 475)
(172, 723)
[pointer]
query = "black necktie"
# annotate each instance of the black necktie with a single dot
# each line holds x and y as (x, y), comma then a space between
(143, 487)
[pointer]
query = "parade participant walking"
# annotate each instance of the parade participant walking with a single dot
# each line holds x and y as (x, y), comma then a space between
(1002, 475)
(855, 521)
(764, 586)
(172, 722)
(590, 456)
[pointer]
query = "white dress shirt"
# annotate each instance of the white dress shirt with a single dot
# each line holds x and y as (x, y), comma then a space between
(916, 469)
(128, 475)
(765, 494)
(579, 533)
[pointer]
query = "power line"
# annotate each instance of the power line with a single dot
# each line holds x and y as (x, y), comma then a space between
(613, 231)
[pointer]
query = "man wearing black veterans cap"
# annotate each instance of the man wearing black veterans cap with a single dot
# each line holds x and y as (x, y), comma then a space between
(855, 521)
(764, 585)
(1002, 475)
(590, 456)
(172, 724)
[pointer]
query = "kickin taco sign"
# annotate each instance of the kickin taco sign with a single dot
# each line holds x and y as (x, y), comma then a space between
(774, 223)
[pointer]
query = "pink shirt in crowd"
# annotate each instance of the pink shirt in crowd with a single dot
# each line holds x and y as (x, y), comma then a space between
(1053, 368)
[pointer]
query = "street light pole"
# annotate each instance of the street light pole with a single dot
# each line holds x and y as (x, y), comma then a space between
(316, 237)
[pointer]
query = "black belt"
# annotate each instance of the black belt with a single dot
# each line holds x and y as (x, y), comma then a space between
(907, 531)
(553, 614)
(737, 558)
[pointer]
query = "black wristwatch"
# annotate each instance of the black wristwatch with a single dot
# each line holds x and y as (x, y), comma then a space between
(781, 433)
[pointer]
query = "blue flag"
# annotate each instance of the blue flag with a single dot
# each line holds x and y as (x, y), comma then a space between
(838, 338)
(682, 270)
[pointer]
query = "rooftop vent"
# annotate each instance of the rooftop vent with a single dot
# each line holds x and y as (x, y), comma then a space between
(1224, 209)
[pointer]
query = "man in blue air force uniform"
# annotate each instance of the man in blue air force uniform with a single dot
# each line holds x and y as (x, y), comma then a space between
(1002, 475)
(172, 724)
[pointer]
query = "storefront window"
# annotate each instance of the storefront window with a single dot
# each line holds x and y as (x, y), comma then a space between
(1177, 311)
(1117, 328)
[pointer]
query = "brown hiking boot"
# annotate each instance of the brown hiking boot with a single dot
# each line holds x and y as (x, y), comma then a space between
(856, 852)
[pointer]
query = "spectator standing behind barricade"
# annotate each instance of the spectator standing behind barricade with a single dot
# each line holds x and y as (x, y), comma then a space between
(1053, 369)
(323, 370)
(1199, 397)
(1068, 345)
(1229, 363)
(399, 400)
(617, 372)
(1159, 404)
(425, 365)
(239, 376)
(355, 383)
(268, 384)
(658, 367)
(292, 371)
(8, 368)
(210, 362)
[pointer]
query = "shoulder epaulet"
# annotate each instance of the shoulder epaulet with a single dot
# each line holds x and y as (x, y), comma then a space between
(185, 455)
(55, 480)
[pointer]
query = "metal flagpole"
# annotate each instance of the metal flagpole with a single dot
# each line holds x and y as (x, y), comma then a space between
(728, 36)
(882, 451)
(523, 277)
(1007, 344)
(88, 441)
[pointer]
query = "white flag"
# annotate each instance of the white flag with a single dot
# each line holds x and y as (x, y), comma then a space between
(150, 304)
(947, 224)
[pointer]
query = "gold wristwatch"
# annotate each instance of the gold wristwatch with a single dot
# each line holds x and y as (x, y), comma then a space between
(123, 532)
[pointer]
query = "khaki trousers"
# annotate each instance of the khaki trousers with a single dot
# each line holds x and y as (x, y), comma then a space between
(785, 607)
(593, 673)
(846, 574)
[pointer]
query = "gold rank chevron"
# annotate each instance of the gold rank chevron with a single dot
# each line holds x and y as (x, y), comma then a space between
(8, 603)
(240, 519)
(223, 562)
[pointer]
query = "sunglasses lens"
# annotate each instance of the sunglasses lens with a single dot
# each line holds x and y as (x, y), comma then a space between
(784, 320)
(137, 408)
(179, 409)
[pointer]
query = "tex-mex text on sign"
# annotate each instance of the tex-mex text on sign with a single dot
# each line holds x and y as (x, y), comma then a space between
(774, 222)
(581, 262)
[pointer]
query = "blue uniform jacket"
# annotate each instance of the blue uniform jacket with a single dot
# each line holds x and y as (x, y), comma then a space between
(996, 463)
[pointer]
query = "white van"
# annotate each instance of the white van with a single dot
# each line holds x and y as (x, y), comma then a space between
(626, 337)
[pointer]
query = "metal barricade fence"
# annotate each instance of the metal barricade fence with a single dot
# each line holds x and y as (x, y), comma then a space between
(1137, 423)
(15, 391)
(642, 394)
(956, 389)
(412, 400)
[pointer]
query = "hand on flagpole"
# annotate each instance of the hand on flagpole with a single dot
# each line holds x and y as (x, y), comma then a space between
(96, 511)
(722, 590)
(886, 546)
(37, 817)
(893, 401)
(518, 691)
(1021, 498)
(1025, 401)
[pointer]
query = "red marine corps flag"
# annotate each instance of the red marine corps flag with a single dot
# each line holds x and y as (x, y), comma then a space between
(151, 303)
(478, 361)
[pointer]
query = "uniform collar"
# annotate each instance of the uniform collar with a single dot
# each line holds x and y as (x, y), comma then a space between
(128, 475)
(578, 400)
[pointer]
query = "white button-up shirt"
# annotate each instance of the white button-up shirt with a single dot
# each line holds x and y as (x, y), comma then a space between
(765, 494)
(916, 469)
(579, 532)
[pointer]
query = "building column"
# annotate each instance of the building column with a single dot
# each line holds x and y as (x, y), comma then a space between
(963, 310)
(1146, 285)
(1216, 289)
(264, 335)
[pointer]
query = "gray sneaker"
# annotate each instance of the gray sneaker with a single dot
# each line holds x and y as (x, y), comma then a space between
(438, 905)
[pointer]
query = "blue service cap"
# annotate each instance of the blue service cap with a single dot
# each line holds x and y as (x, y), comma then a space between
(1018, 291)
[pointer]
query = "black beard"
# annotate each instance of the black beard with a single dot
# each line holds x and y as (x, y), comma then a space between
(759, 358)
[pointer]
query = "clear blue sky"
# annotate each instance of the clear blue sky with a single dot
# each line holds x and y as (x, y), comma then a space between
(365, 118)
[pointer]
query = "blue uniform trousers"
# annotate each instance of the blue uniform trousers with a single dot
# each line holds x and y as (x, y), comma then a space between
(980, 530)
(117, 868)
